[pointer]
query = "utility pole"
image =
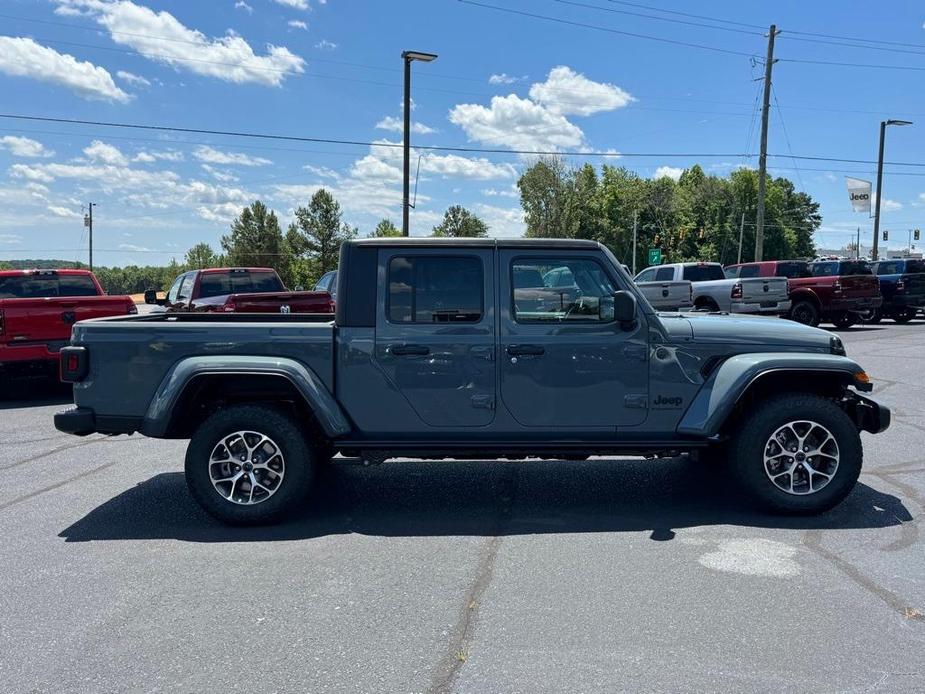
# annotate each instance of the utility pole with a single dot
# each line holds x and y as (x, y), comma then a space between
(874, 253)
(857, 248)
(741, 231)
(635, 220)
(408, 57)
(763, 154)
(88, 222)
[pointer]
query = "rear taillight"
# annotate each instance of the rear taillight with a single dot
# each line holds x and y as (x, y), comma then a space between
(73, 363)
(131, 309)
(228, 307)
(736, 292)
(1, 322)
(836, 287)
(900, 286)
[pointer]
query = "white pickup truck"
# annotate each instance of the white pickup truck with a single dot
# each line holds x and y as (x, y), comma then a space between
(711, 291)
(663, 292)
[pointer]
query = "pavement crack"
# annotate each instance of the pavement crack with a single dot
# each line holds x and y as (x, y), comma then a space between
(812, 540)
(58, 449)
(57, 485)
(463, 632)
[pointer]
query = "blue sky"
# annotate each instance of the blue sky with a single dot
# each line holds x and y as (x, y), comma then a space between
(505, 81)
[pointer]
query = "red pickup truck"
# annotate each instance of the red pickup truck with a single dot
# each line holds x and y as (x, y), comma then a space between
(37, 310)
(824, 291)
(238, 289)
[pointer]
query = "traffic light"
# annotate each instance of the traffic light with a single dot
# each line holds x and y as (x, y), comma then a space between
(886, 235)
(915, 235)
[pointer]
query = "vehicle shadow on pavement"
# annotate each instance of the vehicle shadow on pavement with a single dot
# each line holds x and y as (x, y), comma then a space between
(16, 394)
(433, 498)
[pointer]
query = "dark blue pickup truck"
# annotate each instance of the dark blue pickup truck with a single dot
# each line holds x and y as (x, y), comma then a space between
(459, 348)
(902, 284)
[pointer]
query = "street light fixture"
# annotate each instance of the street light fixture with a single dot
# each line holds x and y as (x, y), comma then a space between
(883, 124)
(409, 57)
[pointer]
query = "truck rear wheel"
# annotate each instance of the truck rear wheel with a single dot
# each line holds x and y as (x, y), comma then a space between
(797, 454)
(844, 319)
(903, 315)
(248, 465)
(805, 312)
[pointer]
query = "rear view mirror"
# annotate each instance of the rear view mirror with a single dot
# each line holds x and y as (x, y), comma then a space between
(624, 307)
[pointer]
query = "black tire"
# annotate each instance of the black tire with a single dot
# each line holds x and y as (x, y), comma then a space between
(747, 450)
(903, 315)
(287, 438)
(706, 305)
(872, 317)
(805, 312)
(844, 320)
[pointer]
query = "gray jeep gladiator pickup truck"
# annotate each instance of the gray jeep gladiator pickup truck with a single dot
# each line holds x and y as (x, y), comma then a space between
(458, 348)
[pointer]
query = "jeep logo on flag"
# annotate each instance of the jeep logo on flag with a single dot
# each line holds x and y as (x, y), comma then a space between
(285, 309)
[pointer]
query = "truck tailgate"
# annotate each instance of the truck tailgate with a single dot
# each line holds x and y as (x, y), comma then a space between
(281, 302)
(764, 289)
(50, 319)
(859, 286)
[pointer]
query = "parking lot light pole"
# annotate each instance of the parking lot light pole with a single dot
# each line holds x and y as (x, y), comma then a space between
(408, 57)
(883, 124)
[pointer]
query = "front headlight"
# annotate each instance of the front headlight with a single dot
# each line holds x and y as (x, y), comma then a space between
(836, 346)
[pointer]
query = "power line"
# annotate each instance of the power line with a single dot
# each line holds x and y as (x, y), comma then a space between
(685, 14)
(648, 37)
(440, 148)
(806, 61)
(780, 115)
(661, 19)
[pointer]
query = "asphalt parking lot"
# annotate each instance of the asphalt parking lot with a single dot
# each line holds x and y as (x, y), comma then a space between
(487, 576)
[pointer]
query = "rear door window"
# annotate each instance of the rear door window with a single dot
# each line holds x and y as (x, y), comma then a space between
(76, 285)
(703, 273)
(749, 271)
(887, 267)
(915, 266)
(792, 270)
(824, 269)
(854, 267)
(435, 289)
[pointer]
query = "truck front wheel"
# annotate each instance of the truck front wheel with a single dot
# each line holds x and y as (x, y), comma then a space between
(248, 465)
(797, 454)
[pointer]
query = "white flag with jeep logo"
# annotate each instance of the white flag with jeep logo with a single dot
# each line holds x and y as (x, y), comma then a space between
(859, 194)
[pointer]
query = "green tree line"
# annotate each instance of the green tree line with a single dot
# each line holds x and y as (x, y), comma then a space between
(697, 217)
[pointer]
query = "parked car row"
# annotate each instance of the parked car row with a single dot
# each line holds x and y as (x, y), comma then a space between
(841, 292)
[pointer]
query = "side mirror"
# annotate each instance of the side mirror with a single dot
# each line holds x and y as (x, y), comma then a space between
(624, 307)
(150, 296)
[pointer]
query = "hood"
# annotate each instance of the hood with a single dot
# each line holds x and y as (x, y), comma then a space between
(745, 330)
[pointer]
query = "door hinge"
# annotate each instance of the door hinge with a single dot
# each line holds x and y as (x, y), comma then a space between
(485, 402)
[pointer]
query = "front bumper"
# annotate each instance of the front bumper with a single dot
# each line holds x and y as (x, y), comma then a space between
(869, 415)
(757, 308)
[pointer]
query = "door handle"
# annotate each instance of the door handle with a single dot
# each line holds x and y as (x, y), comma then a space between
(525, 350)
(409, 350)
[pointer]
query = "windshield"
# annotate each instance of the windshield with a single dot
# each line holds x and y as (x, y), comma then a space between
(238, 282)
(854, 267)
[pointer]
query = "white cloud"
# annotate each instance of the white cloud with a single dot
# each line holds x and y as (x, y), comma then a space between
(503, 78)
(148, 156)
(220, 214)
(64, 212)
(241, 5)
(322, 171)
(374, 168)
(397, 125)
(672, 172)
(223, 175)
(517, 124)
(24, 146)
(22, 57)
(229, 58)
(506, 222)
(511, 192)
(446, 165)
(10, 239)
(568, 92)
(297, 24)
(105, 154)
(132, 78)
(326, 45)
(887, 205)
(133, 247)
(109, 177)
(215, 156)
(294, 4)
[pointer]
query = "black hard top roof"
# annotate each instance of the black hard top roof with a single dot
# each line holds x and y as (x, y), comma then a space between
(431, 242)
